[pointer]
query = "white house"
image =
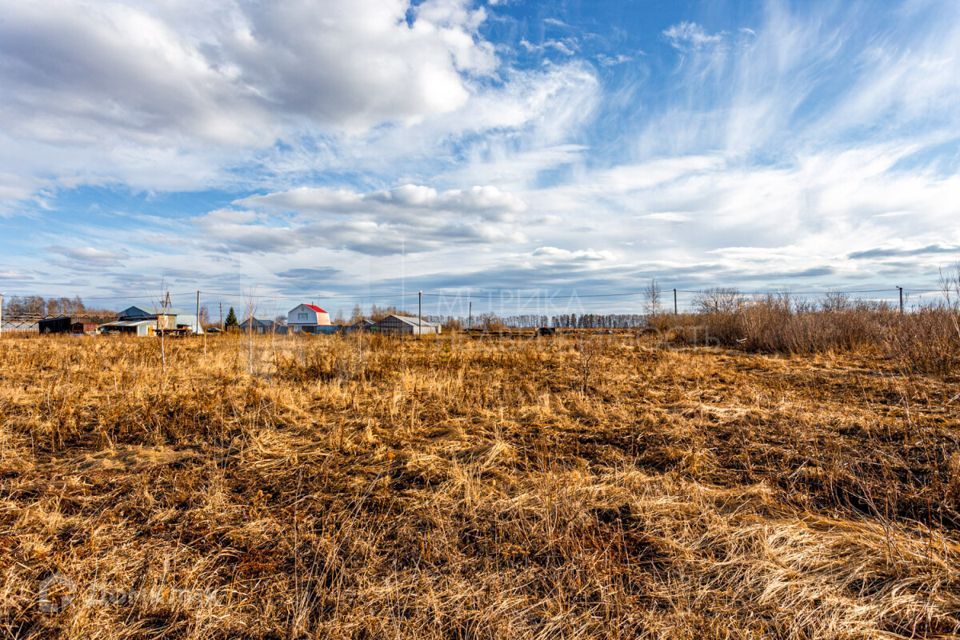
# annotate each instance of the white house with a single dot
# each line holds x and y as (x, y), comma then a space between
(305, 317)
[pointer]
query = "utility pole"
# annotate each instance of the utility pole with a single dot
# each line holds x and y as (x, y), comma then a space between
(675, 302)
(900, 289)
(221, 317)
(470, 315)
(419, 313)
(196, 328)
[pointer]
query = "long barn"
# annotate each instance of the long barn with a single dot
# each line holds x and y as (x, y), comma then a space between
(407, 325)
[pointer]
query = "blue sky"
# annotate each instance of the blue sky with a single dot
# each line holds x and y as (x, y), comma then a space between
(341, 151)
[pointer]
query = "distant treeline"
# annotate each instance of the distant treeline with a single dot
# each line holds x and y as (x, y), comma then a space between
(40, 307)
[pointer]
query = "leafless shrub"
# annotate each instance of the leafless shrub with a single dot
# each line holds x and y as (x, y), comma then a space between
(927, 340)
(779, 323)
(589, 348)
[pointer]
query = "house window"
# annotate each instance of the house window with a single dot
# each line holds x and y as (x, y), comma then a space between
(301, 316)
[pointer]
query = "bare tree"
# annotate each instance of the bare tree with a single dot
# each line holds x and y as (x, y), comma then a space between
(652, 297)
(357, 314)
(34, 306)
(15, 307)
(718, 300)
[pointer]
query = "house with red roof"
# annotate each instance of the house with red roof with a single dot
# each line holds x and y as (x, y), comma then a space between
(305, 318)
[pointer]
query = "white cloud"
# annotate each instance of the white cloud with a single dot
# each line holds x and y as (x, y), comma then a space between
(409, 199)
(556, 255)
(90, 256)
(805, 217)
(612, 61)
(180, 96)
(410, 218)
(133, 67)
(176, 96)
(690, 35)
(567, 46)
(667, 216)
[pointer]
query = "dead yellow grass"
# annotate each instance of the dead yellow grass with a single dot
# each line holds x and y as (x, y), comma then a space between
(574, 487)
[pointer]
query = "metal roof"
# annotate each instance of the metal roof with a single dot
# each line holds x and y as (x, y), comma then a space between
(257, 322)
(127, 323)
(412, 320)
(140, 312)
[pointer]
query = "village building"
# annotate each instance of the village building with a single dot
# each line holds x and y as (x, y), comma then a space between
(308, 318)
(18, 326)
(256, 325)
(363, 325)
(143, 323)
(139, 328)
(395, 324)
(68, 324)
(84, 327)
(59, 324)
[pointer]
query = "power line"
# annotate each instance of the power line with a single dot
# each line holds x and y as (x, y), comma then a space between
(627, 294)
(475, 293)
(335, 296)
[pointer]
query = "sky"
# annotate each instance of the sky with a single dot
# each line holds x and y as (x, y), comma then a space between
(345, 151)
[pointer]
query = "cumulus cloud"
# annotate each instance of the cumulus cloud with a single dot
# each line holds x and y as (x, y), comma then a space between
(176, 95)
(186, 96)
(357, 64)
(133, 66)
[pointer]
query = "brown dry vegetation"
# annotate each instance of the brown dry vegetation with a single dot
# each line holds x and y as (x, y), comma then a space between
(924, 341)
(575, 487)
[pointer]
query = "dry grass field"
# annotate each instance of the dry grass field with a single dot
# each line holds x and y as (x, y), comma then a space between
(581, 486)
